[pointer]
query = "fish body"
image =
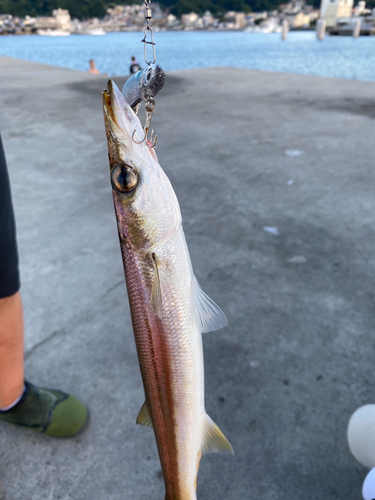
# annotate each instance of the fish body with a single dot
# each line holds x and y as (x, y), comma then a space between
(168, 308)
(144, 84)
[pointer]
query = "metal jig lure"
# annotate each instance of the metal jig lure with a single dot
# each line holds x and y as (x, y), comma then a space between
(150, 102)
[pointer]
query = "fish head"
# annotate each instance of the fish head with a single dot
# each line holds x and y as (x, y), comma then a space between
(146, 206)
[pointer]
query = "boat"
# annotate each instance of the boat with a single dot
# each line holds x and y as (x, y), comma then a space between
(94, 31)
(346, 26)
(50, 32)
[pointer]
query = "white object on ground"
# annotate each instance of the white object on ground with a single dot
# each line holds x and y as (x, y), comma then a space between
(290, 182)
(272, 230)
(294, 152)
(297, 259)
(368, 490)
(361, 436)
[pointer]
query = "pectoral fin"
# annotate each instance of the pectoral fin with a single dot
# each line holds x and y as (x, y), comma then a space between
(156, 299)
(144, 416)
(214, 440)
(207, 314)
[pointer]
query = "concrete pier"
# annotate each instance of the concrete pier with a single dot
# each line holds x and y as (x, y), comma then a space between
(275, 177)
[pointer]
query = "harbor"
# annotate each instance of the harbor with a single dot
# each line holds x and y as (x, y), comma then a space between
(277, 208)
(335, 57)
(340, 18)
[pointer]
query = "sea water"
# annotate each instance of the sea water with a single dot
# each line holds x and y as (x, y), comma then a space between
(340, 57)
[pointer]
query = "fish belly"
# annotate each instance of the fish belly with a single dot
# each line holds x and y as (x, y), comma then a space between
(171, 360)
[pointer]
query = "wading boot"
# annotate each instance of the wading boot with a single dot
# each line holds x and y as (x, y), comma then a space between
(49, 411)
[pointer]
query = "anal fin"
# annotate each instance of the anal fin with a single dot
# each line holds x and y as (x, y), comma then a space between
(144, 416)
(214, 440)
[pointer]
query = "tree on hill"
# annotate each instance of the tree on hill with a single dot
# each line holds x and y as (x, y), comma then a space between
(81, 9)
(85, 9)
(219, 6)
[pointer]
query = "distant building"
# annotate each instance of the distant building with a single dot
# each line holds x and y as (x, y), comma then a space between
(331, 10)
(61, 21)
(298, 20)
(293, 7)
(236, 20)
(45, 22)
(171, 20)
(240, 20)
(189, 19)
(314, 15)
(208, 19)
(117, 10)
(360, 9)
(29, 21)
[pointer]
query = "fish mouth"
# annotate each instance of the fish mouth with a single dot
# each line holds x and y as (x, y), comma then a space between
(107, 103)
(114, 103)
(120, 119)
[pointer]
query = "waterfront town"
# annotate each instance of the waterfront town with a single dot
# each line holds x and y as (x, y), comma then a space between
(340, 17)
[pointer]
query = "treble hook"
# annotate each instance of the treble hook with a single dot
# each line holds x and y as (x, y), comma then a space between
(152, 137)
(150, 106)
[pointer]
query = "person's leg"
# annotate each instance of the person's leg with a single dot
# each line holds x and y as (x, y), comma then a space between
(11, 314)
(11, 350)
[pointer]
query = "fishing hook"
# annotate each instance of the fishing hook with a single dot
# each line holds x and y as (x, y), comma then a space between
(146, 139)
(150, 106)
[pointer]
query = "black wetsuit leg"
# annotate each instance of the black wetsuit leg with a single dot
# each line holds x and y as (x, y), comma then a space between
(9, 273)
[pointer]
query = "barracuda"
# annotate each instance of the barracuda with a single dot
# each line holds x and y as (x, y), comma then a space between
(169, 310)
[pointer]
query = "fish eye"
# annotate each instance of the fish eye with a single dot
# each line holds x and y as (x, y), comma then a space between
(124, 179)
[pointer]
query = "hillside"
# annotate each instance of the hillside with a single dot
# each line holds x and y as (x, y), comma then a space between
(82, 9)
(85, 9)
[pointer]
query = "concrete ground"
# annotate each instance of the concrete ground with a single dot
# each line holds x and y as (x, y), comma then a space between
(244, 150)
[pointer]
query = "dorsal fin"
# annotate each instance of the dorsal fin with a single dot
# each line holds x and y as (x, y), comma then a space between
(214, 440)
(156, 299)
(144, 416)
(207, 314)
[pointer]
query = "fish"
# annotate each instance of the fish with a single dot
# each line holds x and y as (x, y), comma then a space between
(169, 310)
(144, 84)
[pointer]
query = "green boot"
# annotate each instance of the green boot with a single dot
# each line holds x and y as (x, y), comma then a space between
(49, 411)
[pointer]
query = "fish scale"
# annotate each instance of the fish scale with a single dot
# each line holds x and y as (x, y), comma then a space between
(165, 357)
